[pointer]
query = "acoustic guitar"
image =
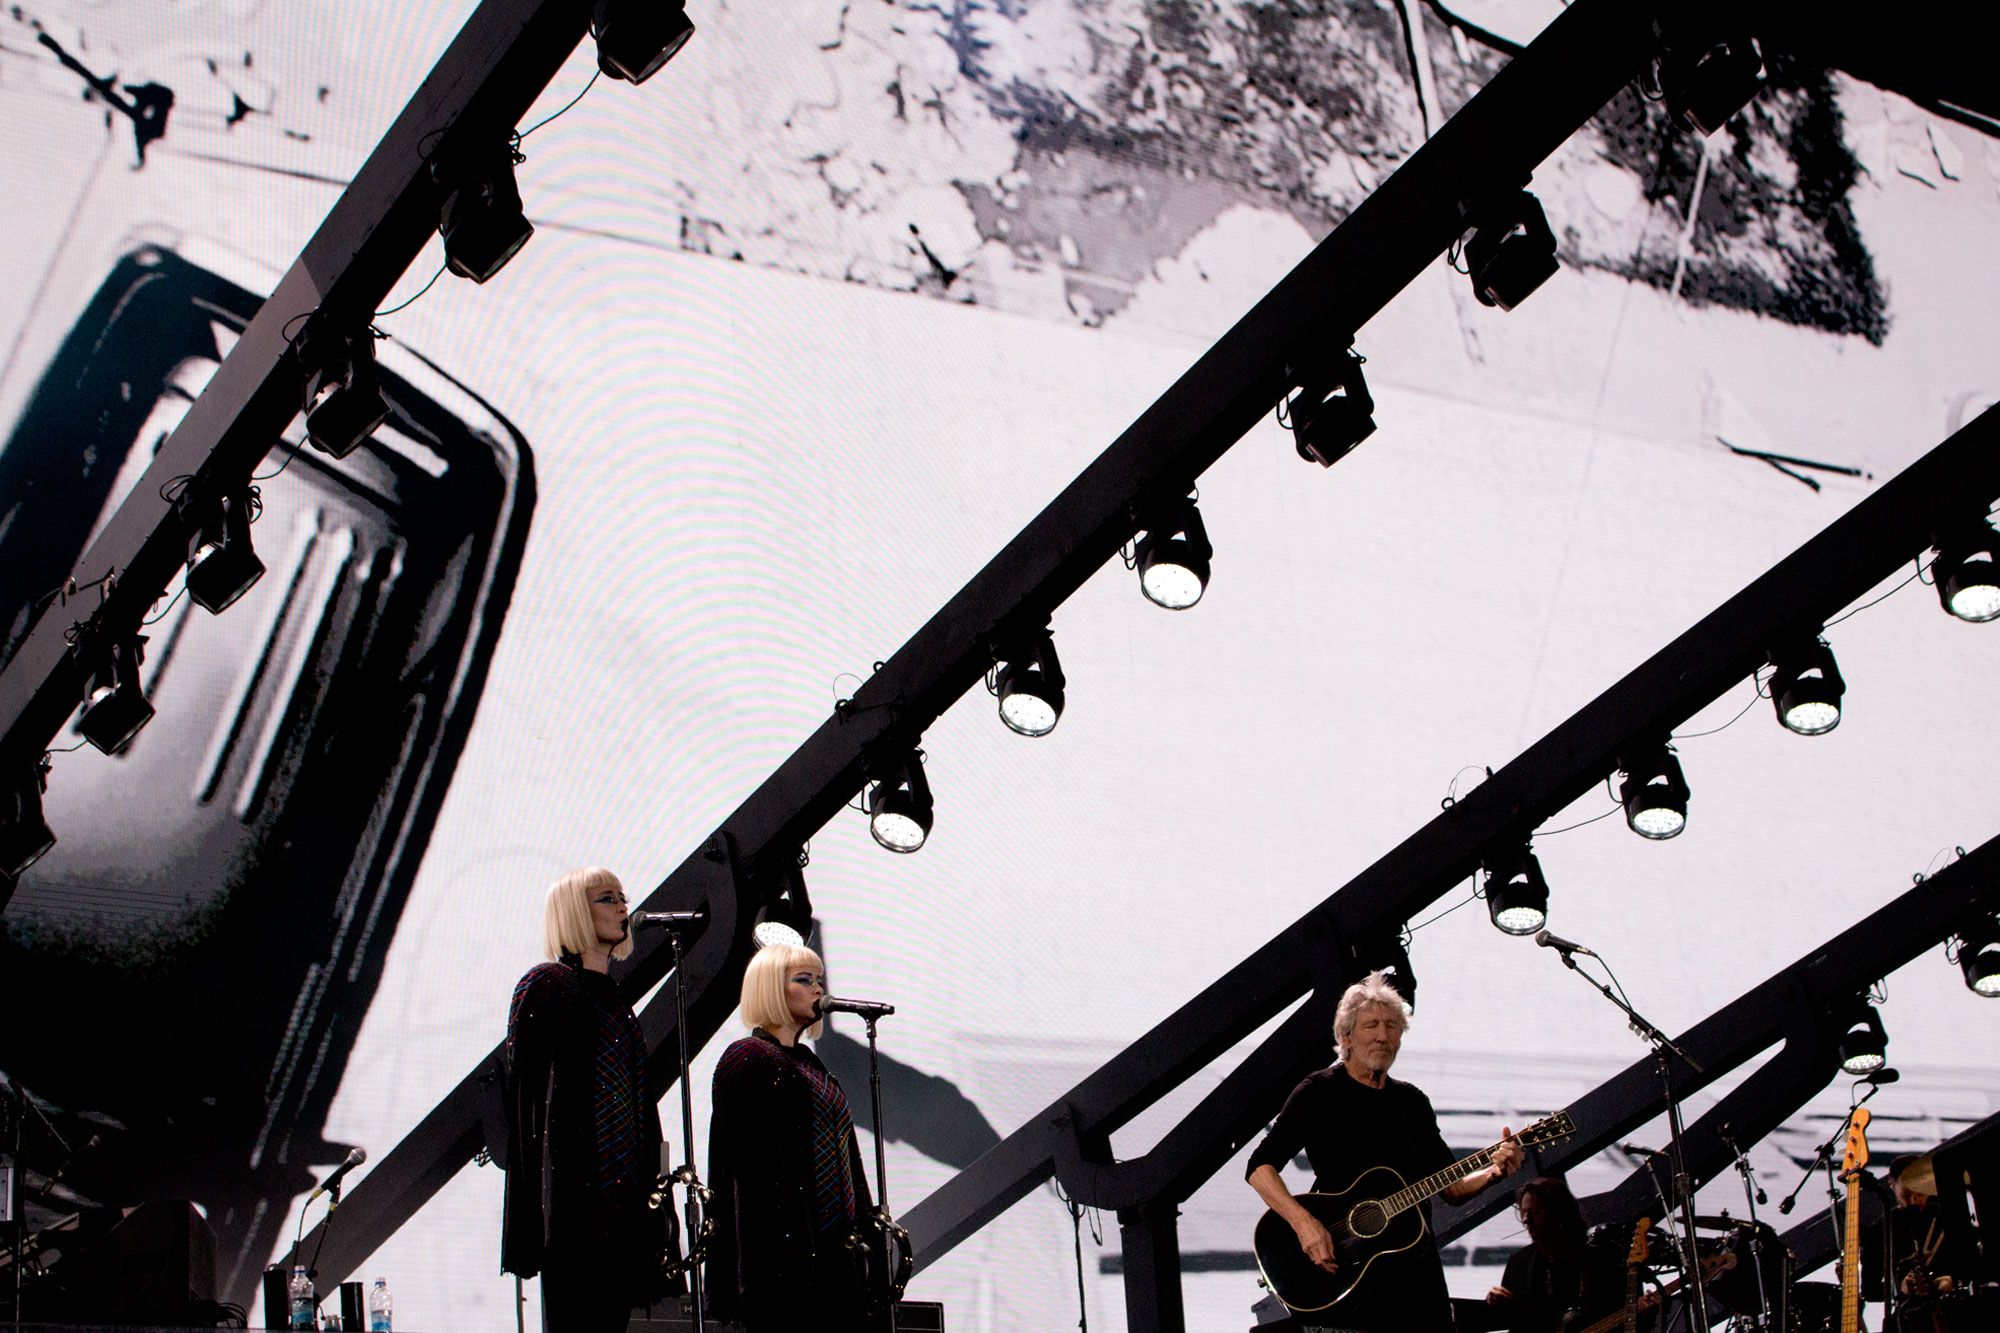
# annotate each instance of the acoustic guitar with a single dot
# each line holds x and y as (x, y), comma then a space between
(1850, 1238)
(1375, 1216)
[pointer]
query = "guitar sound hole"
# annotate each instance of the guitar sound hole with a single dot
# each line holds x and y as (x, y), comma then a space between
(1367, 1220)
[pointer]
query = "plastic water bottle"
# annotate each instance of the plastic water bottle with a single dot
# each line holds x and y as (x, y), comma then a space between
(380, 1305)
(302, 1298)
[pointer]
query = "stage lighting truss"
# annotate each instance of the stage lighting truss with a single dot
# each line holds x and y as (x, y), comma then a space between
(1331, 411)
(1864, 1045)
(1806, 687)
(1028, 681)
(899, 804)
(787, 915)
(222, 564)
(1512, 251)
(1704, 82)
(1967, 570)
(1977, 949)
(115, 706)
(343, 399)
(1517, 897)
(1654, 793)
(636, 37)
(479, 204)
(1386, 952)
(1173, 556)
(24, 835)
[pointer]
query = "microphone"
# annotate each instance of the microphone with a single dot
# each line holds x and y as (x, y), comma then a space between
(1561, 945)
(863, 1008)
(671, 920)
(355, 1157)
(1638, 1152)
(1879, 1077)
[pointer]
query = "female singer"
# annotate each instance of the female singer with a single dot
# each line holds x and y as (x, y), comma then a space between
(583, 1134)
(782, 1159)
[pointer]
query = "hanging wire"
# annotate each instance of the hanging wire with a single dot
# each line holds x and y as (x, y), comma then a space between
(405, 305)
(1472, 897)
(1857, 610)
(559, 111)
(1076, 1212)
(1757, 678)
(1616, 806)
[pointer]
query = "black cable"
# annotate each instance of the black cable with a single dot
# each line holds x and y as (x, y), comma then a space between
(1075, 1211)
(420, 291)
(565, 106)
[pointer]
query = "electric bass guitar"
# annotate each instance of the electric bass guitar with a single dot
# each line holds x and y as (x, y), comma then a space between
(1850, 1239)
(1627, 1320)
(1375, 1216)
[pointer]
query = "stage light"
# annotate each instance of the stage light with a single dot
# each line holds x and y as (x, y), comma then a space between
(1030, 686)
(24, 835)
(1979, 956)
(1806, 687)
(1332, 411)
(1864, 1046)
(479, 213)
(114, 704)
(222, 565)
(1173, 557)
(343, 395)
(1654, 793)
(1967, 571)
(636, 37)
(1383, 951)
(899, 805)
(1705, 83)
(1512, 252)
(1517, 897)
(786, 918)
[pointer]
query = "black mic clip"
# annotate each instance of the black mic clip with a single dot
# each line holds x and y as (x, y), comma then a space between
(670, 920)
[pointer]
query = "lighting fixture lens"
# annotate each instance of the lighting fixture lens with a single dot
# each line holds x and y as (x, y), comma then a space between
(896, 828)
(1812, 718)
(1524, 919)
(767, 933)
(1029, 714)
(1863, 1062)
(1174, 586)
(1655, 794)
(1658, 822)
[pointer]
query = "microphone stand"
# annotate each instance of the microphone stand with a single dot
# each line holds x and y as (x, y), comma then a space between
(1750, 1193)
(894, 1239)
(697, 1223)
(1663, 1046)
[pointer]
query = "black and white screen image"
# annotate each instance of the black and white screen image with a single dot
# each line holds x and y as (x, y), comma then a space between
(811, 325)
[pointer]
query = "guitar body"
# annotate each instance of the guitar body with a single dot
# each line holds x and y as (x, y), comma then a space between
(1363, 1232)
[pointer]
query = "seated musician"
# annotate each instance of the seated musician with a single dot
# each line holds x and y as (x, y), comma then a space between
(1923, 1257)
(1351, 1117)
(1559, 1271)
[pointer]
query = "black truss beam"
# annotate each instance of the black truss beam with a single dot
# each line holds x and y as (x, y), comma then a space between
(484, 83)
(1800, 1009)
(1488, 149)
(1070, 1139)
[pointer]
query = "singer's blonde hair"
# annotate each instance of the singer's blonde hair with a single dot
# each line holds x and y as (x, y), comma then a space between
(763, 1000)
(1373, 989)
(567, 926)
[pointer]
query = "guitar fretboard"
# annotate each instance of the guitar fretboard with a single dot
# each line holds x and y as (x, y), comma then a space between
(1410, 1196)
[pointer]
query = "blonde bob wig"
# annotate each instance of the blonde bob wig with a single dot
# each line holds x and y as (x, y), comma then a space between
(567, 926)
(763, 1001)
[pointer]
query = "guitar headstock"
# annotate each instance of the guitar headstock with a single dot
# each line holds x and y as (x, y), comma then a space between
(1637, 1254)
(1857, 1142)
(1549, 1129)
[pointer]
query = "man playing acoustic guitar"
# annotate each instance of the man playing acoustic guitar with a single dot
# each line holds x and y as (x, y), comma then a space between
(1348, 1119)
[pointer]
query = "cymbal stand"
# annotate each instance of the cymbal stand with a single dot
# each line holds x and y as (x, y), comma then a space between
(1750, 1193)
(1663, 1048)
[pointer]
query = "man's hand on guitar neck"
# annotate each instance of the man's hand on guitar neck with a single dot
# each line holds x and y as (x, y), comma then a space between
(1507, 1159)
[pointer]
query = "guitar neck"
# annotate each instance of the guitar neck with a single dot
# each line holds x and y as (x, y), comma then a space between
(1410, 1196)
(1850, 1261)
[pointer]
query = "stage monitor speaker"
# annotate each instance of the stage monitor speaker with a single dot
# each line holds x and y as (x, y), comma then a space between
(156, 1264)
